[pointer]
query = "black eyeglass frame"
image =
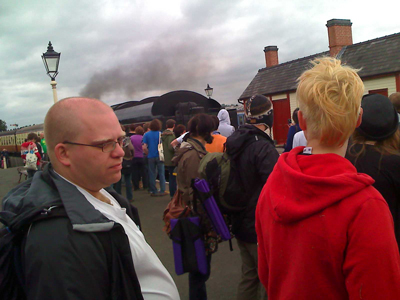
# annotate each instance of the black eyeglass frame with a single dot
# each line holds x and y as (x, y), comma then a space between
(123, 142)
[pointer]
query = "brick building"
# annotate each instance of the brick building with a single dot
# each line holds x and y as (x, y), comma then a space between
(378, 59)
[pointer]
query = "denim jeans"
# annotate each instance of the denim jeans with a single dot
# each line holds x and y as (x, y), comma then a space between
(156, 164)
(146, 172)
(172, 180)
(139, 171)
(197, 283)
(128, 186)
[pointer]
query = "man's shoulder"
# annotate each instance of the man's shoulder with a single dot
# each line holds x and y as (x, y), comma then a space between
(27, 144)
(167, 135)
(152, 134)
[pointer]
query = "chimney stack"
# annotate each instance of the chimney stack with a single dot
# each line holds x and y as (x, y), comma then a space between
(339, 33)
(271, 56)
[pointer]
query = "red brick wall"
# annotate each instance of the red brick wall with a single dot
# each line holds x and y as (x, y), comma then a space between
(339, 36)
(271, 58)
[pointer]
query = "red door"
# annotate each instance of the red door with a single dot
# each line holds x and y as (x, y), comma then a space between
(281, 116)
(383, 92)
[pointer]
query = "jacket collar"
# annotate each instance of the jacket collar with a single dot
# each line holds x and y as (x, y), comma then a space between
(55, 191)
(190, 144)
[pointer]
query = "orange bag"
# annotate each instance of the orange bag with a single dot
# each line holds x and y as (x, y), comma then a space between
(175, 209)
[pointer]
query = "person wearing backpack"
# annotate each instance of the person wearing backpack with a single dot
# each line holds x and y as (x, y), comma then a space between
(27, 149)
(126, 170)
(187, 159)
(95, 249)
(253, 154)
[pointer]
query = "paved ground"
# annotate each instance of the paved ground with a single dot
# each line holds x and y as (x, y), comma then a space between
(225, 265)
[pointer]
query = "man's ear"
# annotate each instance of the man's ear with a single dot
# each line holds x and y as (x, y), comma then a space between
(62, 154)
(302, 121)
(359, 120)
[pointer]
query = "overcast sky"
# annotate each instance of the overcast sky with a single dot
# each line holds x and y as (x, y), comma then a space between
(121, 50)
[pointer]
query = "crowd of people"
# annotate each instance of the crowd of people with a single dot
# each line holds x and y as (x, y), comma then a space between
(142, 165)
(321, 220)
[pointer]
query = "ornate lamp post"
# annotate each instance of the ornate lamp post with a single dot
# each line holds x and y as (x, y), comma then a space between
(209, 91)
(51, 59)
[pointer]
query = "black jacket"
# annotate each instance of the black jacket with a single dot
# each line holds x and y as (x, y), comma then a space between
(254, 154)
(385, 170)
(63, 258)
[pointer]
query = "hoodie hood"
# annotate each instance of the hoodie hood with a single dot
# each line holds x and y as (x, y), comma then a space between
(303, 185)
(223, 117)
(167, 132)
(235, 144)
(187, 146)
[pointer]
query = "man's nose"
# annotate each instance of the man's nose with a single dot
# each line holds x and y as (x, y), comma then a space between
(118, 151)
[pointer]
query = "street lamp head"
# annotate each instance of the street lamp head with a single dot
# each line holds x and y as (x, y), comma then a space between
(51, 59)
(209, 91)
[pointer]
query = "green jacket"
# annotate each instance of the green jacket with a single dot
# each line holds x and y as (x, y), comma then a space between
(166, 138)
(43, 144)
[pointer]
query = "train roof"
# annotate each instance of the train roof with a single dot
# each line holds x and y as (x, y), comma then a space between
(28, 129)
(160, 106)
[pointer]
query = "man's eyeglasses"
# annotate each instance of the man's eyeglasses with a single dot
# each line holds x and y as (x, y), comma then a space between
(106, 147)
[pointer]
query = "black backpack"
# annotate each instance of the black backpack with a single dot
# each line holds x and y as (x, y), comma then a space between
(14, 229)
(223, 176)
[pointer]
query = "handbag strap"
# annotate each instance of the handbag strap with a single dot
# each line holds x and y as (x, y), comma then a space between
(159, 138)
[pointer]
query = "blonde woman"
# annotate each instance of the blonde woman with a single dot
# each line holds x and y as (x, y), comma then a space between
(324, 232)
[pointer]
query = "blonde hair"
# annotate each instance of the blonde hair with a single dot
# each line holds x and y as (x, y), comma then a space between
(329, 98)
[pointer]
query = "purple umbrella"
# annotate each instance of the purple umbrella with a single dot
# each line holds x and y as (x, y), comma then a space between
(212, 210)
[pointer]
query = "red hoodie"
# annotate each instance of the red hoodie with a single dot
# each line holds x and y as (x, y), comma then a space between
(324, 232)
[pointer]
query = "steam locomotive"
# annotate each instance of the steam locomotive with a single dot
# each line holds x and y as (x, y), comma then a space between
(177, 105)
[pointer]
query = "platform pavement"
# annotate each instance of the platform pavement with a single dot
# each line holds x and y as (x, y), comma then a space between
(225, 265)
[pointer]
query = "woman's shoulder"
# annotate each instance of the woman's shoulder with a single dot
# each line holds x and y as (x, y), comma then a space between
(392, 161)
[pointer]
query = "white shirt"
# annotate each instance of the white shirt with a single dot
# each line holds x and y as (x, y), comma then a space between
(180, 138)
(299, 139)
(155, 281)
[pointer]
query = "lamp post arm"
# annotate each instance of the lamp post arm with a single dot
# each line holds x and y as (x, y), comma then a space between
(53, 84)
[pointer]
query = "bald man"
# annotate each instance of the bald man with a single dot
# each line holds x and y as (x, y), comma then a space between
(94, 250)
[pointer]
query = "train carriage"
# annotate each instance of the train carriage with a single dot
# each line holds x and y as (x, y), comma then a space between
(12, 140)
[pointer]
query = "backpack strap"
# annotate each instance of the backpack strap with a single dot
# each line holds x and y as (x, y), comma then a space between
(195, 195)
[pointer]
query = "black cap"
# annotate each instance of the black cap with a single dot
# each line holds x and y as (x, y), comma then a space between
(380, 119)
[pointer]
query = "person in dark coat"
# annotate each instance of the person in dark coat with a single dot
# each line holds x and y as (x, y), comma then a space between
(64, 258)
(376, 151)
(295, 128)
(254, 154)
